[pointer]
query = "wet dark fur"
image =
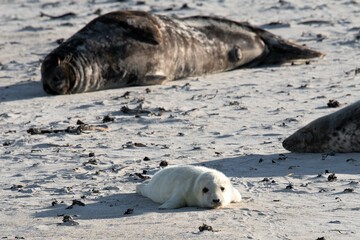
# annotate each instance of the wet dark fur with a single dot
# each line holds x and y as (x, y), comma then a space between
(127, 48)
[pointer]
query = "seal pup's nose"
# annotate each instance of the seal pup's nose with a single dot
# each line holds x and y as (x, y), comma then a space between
(216, 200)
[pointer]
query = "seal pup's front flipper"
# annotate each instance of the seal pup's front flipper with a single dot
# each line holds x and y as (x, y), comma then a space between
(236, 196)
(173, 202)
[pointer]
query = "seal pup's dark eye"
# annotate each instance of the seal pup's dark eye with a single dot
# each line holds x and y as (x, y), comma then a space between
(205, 190)
(222, 189)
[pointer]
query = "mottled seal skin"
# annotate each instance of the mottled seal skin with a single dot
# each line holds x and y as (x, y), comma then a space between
(129, 48)
(338, 132)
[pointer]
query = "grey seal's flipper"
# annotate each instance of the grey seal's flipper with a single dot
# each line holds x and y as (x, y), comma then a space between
(275, 50)
(336, 132)
(281, 51)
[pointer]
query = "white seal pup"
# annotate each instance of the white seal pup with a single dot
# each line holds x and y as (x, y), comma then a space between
(336, 132)
(192, 186)
(129, 48)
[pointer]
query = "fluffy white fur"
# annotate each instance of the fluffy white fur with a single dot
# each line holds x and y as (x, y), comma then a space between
(181, 186)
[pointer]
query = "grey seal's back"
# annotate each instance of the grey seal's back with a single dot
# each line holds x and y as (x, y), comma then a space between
(336, 132)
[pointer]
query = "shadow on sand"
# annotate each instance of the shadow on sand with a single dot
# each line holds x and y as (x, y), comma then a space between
(113, 206)
(279, 165)
(22, 91)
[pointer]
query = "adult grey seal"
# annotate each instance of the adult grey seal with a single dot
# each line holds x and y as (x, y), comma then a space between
(336, 132)
(127, 48)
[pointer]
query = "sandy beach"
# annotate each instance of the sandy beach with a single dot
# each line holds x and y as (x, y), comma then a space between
(64, 185)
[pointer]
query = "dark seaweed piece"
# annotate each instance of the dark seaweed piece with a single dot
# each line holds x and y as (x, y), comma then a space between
(302, 86)
(71, 129)
(357, 71)
(76, 202)
(129, 211)
(54, 202)
(348, 190)
(141, 176)
(91, 161)
(332, 177)
(69, 220)
(163, 164)
(265, 180)
(79, 122)
(16, 187)
(7, 143)
(333, 103)
(185, 6)
(62, 16)
(272, 25)
(98, 11)
(139, 144)
(108, 118)
(206, 227)
(136, 111)
(60, 41)
(316, 22)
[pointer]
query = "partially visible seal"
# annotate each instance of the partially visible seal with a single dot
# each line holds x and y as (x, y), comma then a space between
(127, 48)
(336, 132)
(181, 186)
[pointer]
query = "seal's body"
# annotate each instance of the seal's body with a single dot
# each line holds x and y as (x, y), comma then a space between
(181, 186)
(336, 132)
(127, 48)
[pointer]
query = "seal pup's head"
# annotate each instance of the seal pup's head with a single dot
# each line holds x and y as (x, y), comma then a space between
(57, 74)
(213, 190)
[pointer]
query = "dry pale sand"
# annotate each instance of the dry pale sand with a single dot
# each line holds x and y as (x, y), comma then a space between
(234, 122)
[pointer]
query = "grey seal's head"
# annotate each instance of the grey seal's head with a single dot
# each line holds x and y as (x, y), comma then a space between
(71, 68)
(310, 138)
(57, 74)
